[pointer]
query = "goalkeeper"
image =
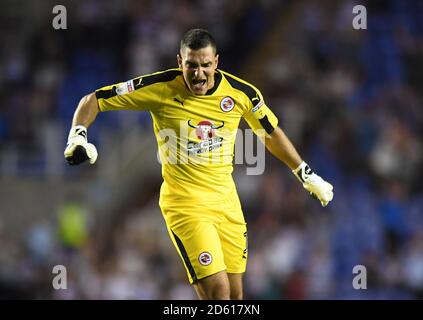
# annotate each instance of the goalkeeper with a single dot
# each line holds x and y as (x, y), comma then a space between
(196, 110)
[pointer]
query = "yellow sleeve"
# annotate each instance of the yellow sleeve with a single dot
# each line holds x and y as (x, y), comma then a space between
(261, 117)
(142, 93)
(129, 95)
(255, 111)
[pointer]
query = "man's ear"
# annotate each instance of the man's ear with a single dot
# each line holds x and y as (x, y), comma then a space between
(216, 60)
(179, 59)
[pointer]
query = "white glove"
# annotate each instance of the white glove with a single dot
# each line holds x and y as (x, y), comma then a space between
(317, 187)
(78, 149)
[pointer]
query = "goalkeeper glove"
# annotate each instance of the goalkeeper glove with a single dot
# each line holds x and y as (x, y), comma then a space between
(78, 149)
(318, 188)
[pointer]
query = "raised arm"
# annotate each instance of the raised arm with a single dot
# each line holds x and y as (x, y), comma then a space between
(141, 93)
(86, 112)
(78, 149)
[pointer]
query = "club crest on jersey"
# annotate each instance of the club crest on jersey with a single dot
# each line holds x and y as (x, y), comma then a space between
(227, 104)
(205, 129)
(205, 258)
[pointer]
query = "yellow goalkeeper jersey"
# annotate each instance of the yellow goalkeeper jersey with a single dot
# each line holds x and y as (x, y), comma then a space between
(195, 134)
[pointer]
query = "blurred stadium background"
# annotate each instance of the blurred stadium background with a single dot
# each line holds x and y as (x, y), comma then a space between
(351, 100)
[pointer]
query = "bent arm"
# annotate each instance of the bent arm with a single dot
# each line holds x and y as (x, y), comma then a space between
(281, 147)
(86, 112)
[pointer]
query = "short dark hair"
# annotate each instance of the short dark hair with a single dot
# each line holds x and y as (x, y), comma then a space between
(196, 39)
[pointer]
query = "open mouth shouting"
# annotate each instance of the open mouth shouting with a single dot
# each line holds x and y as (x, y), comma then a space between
(198, 85)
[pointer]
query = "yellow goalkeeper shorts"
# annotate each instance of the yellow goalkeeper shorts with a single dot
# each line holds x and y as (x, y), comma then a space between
(208, 239)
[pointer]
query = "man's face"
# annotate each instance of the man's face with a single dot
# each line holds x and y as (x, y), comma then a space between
(198, 67)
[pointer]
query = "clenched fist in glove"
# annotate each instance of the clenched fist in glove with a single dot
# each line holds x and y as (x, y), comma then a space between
(78, 149)
(314, 184)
